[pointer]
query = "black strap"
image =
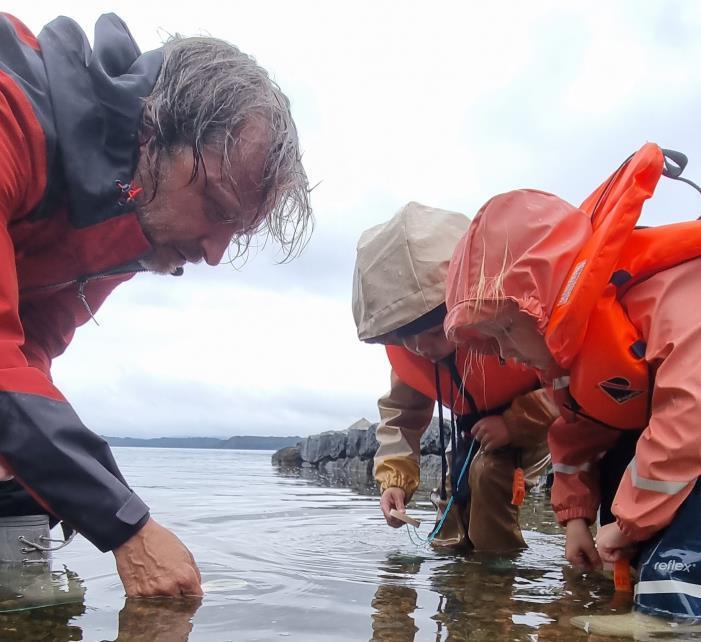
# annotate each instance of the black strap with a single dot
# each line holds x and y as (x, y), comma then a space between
(576, 410)
(458, 381)
(453, 424)
(475, 413)
(674, 165)
(441, 436)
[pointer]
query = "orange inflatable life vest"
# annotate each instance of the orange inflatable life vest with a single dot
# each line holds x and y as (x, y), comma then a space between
(589, 332)
(492, 386)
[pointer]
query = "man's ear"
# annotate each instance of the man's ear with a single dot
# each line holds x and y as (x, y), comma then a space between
(146, 135)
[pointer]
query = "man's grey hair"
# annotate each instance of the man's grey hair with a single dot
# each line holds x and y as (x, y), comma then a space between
(206, 92)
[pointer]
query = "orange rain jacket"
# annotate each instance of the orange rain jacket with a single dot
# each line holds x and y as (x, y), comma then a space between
(400, 274)
(522, 246)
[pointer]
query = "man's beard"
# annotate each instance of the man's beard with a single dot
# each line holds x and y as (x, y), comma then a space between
(160, 259)
(159, 264)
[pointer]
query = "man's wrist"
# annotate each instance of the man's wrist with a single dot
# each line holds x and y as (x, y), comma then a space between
(133, 532)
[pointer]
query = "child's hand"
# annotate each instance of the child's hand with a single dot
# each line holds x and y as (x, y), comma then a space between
(579, 546)
(393, 497)
(612, 544)
(491, 432)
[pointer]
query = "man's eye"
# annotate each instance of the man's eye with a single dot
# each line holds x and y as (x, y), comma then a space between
(222, 217)
(217, 213)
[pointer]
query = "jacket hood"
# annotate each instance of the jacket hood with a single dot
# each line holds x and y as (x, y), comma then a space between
(96, 96)
(520, 247)
(401, 268)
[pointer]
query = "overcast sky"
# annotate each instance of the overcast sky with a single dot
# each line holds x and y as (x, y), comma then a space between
(443, 103)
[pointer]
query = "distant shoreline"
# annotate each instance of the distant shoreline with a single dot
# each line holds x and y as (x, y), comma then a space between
(247, 442)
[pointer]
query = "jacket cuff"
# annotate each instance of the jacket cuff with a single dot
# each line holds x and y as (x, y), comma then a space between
(391, 475)
(575, 512)
(128, 521)
(633, 532)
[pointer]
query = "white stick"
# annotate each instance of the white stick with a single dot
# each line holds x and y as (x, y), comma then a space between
(403, 517)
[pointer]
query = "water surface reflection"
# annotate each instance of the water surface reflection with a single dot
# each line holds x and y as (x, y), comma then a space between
(284, 557)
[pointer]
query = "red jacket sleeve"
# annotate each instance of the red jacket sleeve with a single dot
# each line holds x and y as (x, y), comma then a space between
(576, 449)
(65, 466)
(667, 459)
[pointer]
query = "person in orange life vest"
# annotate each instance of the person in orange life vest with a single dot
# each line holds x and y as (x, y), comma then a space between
(515, 266)
(114, 162)
(398, 300)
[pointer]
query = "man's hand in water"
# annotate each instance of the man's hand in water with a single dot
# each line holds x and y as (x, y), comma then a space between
(155, 562)
(612, 544)
(393, 498)
(579, 546)
(491, 432)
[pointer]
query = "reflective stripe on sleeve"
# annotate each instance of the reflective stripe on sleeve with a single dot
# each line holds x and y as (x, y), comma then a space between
(571, 470)
(561, 382)
(657, 486)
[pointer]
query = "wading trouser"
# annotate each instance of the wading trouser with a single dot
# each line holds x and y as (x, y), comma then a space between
(669, 565)
(489, 521)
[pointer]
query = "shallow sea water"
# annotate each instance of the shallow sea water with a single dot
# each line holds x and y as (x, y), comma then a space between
(283, 557)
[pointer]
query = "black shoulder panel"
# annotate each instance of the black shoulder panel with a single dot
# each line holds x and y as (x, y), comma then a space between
(97, 101)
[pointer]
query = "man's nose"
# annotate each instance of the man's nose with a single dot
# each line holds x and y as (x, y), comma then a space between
(214, 246)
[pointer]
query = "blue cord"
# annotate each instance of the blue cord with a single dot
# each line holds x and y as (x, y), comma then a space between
(437, 528)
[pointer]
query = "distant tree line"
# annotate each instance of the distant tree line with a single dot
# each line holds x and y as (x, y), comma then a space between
(232, 443)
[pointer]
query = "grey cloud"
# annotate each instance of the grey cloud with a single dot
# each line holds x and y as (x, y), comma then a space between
(148, 407)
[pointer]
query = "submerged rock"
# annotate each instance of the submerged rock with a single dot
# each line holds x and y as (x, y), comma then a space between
(636, 626)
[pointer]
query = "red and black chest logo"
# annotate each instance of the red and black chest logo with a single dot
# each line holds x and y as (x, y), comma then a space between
(618, 388)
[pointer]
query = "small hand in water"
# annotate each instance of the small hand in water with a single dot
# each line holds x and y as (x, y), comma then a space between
(579, 546)
(491, 432)
(612, 544)
(393, 497)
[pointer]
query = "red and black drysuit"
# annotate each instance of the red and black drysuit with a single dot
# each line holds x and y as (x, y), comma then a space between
(69, 235)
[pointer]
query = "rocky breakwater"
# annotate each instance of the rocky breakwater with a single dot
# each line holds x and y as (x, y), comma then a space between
(346, 456)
